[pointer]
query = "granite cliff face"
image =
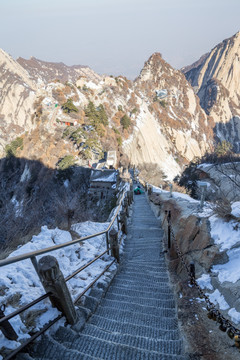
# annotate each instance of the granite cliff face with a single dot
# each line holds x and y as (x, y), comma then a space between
(17, 95)
(174, 126)
(166, 126)
(216, 79)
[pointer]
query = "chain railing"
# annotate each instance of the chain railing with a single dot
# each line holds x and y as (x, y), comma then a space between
(213, 313)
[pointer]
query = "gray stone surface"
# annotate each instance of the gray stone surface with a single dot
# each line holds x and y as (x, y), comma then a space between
(137, 318)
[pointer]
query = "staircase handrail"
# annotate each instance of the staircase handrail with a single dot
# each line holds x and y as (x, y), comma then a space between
(33, 254)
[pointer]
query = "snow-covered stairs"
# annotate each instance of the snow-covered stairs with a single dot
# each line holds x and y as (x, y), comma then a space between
(137, 317)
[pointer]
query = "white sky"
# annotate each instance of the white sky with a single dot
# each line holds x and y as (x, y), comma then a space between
(116, 36)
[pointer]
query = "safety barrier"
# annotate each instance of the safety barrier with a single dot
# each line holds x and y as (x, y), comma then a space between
(53, 281)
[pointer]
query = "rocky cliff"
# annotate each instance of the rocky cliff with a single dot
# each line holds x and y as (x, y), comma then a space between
(157, 119)
(216, 79)
(173, 125)
(17, 95)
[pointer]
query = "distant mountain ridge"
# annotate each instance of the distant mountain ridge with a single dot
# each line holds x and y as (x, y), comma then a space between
(49, 71)
(142, 125)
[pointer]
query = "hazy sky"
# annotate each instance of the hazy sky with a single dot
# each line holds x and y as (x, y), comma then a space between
(116, 36)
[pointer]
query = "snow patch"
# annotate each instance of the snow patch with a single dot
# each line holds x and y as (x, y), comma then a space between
(236, 209)
(231, 270)
(26, 174)
(223, 232)
(205, 282)
(217, 298)
(235, 315)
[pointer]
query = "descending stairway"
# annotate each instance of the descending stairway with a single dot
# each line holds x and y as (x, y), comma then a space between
(137, 317)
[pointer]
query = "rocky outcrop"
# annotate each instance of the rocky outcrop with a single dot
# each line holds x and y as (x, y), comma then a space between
(49, 71)
(180, 121)
(217, 82)
(222, 179)
(191, 232)
(17, 96)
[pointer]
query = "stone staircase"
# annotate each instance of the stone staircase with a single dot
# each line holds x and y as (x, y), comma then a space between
(136, 319)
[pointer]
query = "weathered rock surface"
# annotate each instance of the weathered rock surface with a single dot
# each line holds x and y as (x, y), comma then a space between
(17, 96)
(167, 132)
(216, 79)
(192, 233)
(223, 180)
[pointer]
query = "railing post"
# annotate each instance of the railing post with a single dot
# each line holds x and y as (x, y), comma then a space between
(192, 272)
(123, 220)
(53, 281)
(203, 194)
(107, 243)
(131, 192)
(125, 204)
(34, 262)
(6, 328)
(113, 239)
(169, 229)
(171, 187)
(129, 198)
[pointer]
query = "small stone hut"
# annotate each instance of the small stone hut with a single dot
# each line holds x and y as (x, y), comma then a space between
(103, 183)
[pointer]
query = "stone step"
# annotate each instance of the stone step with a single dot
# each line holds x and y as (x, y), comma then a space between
(143, 318)
(136, 299)
(164, 332)
(162, 277)
(158, 288)
(138, 271)
(49, 349)
(156, 292)
(134, 267)
(108, 349)
(139, 342)
(143, 308)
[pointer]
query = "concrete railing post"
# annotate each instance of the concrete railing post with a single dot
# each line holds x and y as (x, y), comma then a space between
(113, 240)
(53, 281)
(123, 221)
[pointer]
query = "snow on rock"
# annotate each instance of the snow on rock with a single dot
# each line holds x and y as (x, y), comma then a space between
(225, 234)
(236, 209)
(235, 315)
(205, 282)
(19, 281)
(26, 174)
(217, 298)
(231, 270)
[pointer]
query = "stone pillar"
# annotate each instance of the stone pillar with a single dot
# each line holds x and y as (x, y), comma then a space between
(113, 240)
(123, 221)
(53, 281)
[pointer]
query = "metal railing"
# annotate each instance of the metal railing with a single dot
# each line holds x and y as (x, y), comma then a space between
(32, 256)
